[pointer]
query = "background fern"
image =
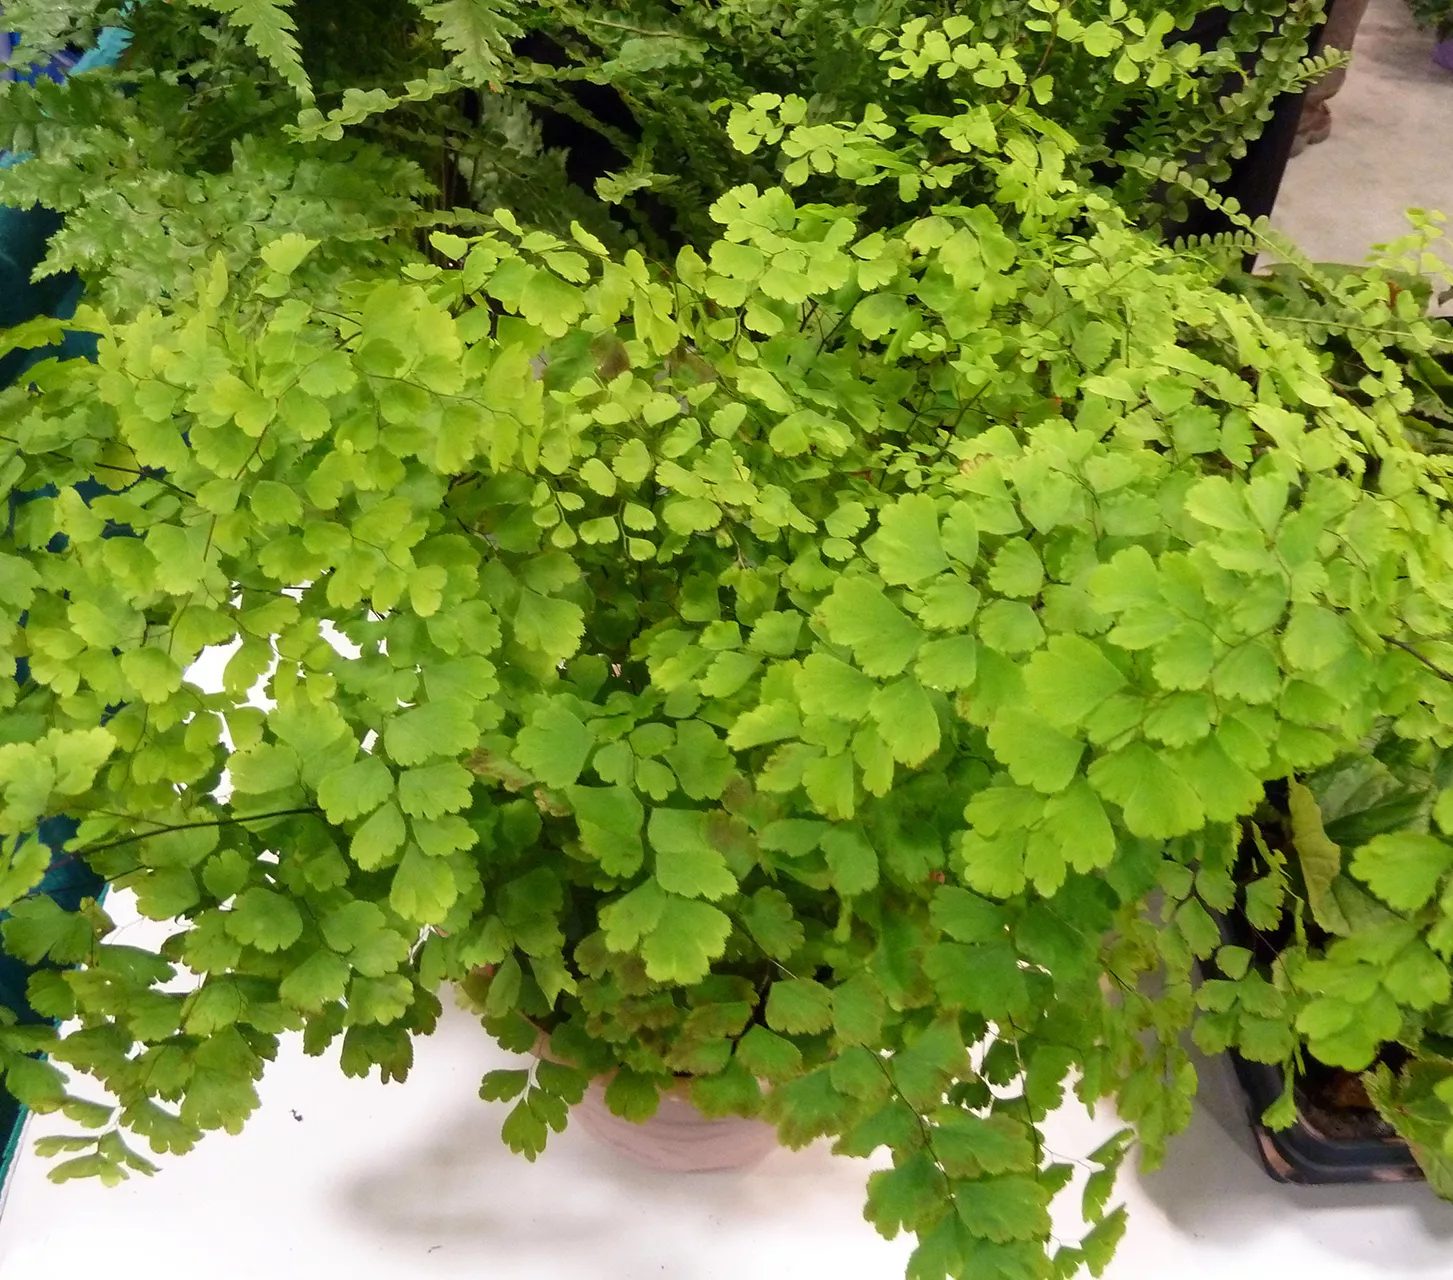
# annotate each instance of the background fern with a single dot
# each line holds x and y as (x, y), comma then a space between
(607, 116)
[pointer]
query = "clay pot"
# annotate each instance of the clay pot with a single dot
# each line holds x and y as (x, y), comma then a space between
(678, 1138)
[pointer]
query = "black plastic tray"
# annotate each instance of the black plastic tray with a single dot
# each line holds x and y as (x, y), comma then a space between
(1304, 1155)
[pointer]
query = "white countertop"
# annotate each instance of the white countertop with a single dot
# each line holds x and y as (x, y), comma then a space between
(337, 1178)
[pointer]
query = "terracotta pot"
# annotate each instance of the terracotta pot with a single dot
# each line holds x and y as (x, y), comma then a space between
(678, 1138)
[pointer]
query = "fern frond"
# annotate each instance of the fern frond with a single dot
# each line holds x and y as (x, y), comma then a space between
(1239, 242)
(45, 27)
(268, 27)
(359, 105)
(476, 32)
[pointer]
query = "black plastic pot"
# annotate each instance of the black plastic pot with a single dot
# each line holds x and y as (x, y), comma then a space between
(1331, 1142)
(1305, 1153)
(1256, 177)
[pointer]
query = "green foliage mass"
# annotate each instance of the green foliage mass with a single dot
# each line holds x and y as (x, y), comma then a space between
(845, 666)
(232, 121)
(1435, 15)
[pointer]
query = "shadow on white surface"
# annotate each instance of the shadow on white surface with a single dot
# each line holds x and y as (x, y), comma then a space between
(1214, 1189)
(582, 1210)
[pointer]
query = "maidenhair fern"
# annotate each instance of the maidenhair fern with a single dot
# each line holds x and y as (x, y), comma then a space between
(844, 657)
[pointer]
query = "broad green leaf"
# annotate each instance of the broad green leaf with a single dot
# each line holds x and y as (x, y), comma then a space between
(1017, 570)
(769, 918)
(355, 789)
(829, 783)
(827, 686)
(1228, 790)
(772, 1057)
(1250, 672)
(1185, 659)
(729, 672)
(1010, 626)
(434, 790)
(319, 980)
(967, 917)
(610, 821)
(38, 928)
(686, 938)
(1035, 753)
(1180, 719)
(632, 916)
(263, 768)
(970, 1146)
(905, 1198)
(776, 634)
(994, 865)
(686, 861)
(549, 625)
(554, 746)
(378, 839)
(264, 919)
(949, 603)
(432, 729)
(984, 979)
(1098, 1245)
(1220, 503)
(634, 1096)
(906, 547)
(503, 1084)
(1403, 867)
(907, 720)
(700, 760)
(164, 894)
(1320, 858)
(424, 888)
(1129, 580)
(1156, 800)
(1081, 827)
(858, 1010)
(286, 253)
(1314, 638)
(152, 672)
(1069, 678)
(851, 861)
(551, 303)
(769, 722)
(882, 637)
(879, 314)
(1001, 1209)
(948, 664)
(799, 1006)
(524, 1131)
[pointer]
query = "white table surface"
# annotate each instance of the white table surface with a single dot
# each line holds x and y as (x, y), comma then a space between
(338, 1179)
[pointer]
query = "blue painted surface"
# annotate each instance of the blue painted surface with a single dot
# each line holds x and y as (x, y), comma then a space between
(23, 237)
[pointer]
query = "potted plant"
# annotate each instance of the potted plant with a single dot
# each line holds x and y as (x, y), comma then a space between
(1387, 790)
(1437, 17)
(827, 671)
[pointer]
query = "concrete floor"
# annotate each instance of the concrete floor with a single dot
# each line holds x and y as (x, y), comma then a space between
(1391, 146)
